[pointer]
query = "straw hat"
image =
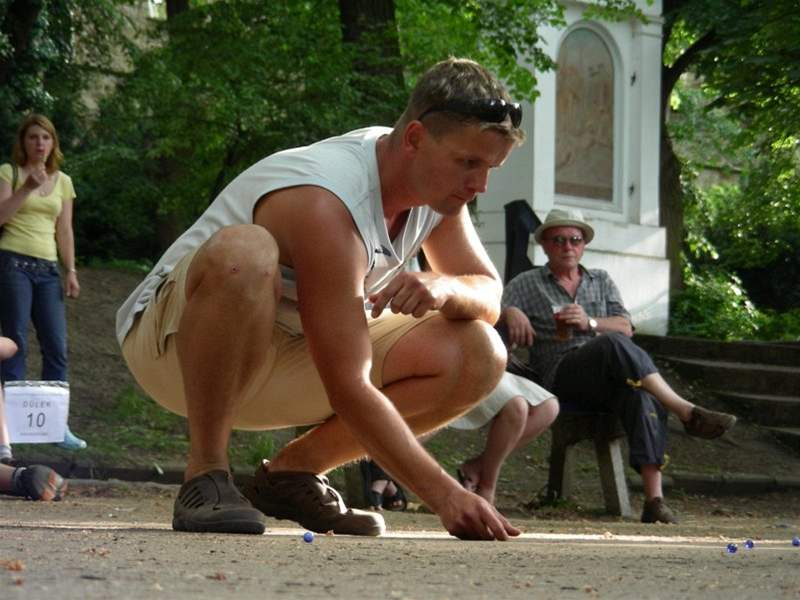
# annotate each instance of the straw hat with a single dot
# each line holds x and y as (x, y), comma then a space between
(560, 217)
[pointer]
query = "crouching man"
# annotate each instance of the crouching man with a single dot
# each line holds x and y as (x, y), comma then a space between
(287, 304)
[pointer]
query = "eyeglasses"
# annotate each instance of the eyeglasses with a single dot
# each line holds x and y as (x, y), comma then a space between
(493, 110)
(561, 240)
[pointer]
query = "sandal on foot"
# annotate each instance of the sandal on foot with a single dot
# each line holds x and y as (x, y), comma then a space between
(212, 503)
(309, 500)
(37, 482)
(708, 424)
(396, 502)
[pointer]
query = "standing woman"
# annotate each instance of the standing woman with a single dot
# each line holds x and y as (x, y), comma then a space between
(36, 214)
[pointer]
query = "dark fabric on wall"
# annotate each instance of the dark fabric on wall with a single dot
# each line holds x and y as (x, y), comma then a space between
(521, 222)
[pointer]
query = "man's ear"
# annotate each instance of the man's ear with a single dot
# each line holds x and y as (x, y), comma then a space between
(413, 135)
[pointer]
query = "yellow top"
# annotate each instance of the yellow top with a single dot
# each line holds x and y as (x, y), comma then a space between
(32, 229)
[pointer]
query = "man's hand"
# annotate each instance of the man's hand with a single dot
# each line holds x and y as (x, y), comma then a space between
(520, 330)
(413, 294)
(574, 316)
(469, 517)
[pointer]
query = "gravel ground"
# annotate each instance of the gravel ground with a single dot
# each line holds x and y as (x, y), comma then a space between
(114, 540)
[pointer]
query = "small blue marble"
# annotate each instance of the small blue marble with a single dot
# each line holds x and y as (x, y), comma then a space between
(796, 541)
(308, 537)
(732, 548)
(749, 544)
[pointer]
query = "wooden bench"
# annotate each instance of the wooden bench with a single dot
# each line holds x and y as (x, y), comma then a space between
(605, 430)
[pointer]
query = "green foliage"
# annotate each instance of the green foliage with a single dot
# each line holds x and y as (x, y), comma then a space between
(713, 305)
(250, 447)
(51, 51)
(196, 99)
(141, 424)
(781, 326)
(742, 222)
(504, 36)
(220, 87)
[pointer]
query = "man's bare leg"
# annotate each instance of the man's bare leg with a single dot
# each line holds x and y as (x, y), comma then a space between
(232, 289)
(434, 373)
(651, 481)
(669, 398)
(697, 421)
(655, 511)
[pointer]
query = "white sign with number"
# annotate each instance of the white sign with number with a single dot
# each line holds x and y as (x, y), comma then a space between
(36, 411)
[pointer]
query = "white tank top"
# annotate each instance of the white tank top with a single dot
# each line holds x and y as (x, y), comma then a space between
(346, 166)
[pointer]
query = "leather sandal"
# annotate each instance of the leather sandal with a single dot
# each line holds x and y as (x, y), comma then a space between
(309, 500)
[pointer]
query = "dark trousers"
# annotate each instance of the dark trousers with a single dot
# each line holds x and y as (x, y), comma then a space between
(604, 375)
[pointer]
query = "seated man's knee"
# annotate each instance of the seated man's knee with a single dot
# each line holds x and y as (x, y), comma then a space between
(243, 256)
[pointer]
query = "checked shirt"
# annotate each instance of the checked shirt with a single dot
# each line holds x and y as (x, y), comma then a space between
(535, 292)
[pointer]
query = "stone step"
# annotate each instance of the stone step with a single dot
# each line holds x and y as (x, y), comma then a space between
(774, 353)
(788, 435)
(764, 409)
(748, 378)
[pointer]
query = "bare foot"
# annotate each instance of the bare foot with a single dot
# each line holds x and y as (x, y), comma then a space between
(469, 475)
(486, 494)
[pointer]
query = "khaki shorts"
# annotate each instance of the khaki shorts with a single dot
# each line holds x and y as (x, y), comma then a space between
(286, 392)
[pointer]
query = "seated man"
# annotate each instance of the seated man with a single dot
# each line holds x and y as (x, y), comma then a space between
(519, 411)
(591, 362)
(269, 312)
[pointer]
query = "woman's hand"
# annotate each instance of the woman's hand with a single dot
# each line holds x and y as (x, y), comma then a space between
(71, 285)
(37, 177)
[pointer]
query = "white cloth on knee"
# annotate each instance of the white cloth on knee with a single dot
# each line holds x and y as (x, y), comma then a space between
(510, 385)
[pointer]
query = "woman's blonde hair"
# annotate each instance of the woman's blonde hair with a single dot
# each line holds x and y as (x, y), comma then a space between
(18, 154)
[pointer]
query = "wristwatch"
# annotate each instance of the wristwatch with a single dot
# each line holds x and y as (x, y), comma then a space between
(593, 325)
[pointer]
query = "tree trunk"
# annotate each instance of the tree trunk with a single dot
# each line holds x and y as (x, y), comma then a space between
(176, 7)
(168, 224)
(17, 24)
(671, 209)
(369, 26)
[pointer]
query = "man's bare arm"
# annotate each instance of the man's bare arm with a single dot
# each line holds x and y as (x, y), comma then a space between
(456, 254)
(317, 234)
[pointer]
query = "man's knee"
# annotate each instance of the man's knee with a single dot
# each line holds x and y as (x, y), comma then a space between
(613, 340)
(242, 257)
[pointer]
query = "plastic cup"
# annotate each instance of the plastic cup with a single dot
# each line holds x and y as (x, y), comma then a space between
(563, 329)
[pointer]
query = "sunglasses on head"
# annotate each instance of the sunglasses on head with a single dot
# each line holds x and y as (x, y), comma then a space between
(561, 240)
(492, 110)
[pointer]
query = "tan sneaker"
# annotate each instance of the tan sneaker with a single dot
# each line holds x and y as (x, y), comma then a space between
(309, 500)
(708, 424)
(655, 511)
